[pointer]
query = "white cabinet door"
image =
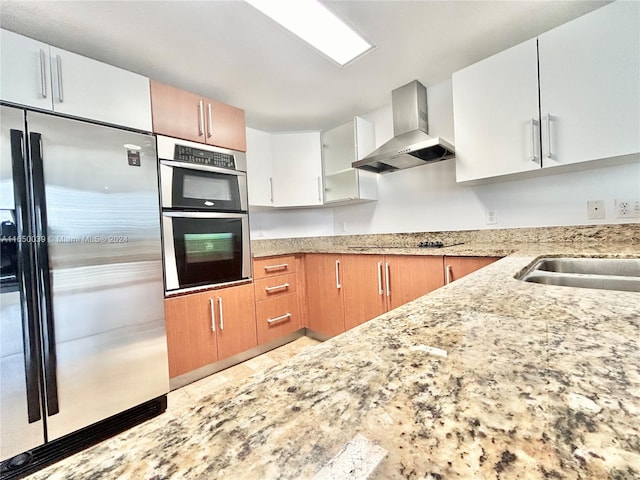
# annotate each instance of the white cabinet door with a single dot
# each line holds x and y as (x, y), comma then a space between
(297, 169)
(590, 86)
(496, 118)
(24, 71)
(86, 88)
(259, 168)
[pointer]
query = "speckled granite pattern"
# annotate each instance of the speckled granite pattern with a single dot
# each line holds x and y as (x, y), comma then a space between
(539, 382)
(498, 242)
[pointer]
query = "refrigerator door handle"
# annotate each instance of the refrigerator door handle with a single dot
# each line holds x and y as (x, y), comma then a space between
(29, 319)
(42, 272)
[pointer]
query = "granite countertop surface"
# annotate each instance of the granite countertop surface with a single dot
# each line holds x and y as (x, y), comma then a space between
(486, 378)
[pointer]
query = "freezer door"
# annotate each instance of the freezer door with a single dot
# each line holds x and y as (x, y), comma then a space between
(20, 413)
(105, 271)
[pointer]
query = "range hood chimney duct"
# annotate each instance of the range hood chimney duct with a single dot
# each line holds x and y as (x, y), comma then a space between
(411, 144)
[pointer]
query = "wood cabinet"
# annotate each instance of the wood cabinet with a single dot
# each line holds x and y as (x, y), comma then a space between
(205, 327)
(342, 183)
(344, 291)
(182, 114)
(278, 311)
(584, 106)
(325, 309)
(457, 267)
(39, 75)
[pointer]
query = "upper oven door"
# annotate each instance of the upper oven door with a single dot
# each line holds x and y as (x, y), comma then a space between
(195, 187)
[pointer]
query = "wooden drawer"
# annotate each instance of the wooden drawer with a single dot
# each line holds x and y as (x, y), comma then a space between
(275, 287)
(270, 267)
(277, 317)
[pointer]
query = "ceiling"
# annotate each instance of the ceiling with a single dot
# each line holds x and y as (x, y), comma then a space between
(229, 51)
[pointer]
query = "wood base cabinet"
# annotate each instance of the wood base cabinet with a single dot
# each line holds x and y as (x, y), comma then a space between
(457, 267)
(205, 327)
(325, 308)
(344, 291)
(182, 114)
(278, 311)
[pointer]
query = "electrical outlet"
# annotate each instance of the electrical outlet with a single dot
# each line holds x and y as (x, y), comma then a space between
(627, 208)
(595, 209)
(491, 217)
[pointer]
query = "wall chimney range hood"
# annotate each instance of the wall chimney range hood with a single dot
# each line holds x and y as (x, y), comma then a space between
(411, 145)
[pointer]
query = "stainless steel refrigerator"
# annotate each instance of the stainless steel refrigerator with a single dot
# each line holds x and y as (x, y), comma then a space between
(82, 333)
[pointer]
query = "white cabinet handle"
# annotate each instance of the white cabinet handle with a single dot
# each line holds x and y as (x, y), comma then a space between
(532, 125)
(213, 315)
(201, 118)
(221, 313)
(388, 282)
(210, 129)
(59, 73)
(281, 266)
(338, 286)
(548, 122)
(319, 189)
(380, 290)
(277, 319)
(448, 272)
(284, 286)
(43, 74)
(271, 189)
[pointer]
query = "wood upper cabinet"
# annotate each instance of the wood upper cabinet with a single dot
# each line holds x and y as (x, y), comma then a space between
(364, 288)
(457, 267)
(325, 309)
(182, 114)
(205, 327)
(408, 277)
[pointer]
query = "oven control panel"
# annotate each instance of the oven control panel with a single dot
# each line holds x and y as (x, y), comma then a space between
(204, 157)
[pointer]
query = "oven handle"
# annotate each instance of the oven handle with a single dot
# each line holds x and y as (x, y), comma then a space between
(204, 168)
(181, 214)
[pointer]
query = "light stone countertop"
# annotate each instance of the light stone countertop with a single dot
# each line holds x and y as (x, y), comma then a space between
(538, 382)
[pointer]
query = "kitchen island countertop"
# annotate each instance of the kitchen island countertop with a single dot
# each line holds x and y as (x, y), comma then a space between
(486, 378)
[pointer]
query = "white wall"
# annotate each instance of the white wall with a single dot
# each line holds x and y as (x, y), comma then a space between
(427, 198)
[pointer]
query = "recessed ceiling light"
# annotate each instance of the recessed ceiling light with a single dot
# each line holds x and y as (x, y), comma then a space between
(316, 25)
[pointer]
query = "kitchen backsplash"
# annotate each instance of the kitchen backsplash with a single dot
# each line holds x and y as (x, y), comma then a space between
(594, 234)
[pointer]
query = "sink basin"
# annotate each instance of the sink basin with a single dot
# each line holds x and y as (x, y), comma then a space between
(602, 273)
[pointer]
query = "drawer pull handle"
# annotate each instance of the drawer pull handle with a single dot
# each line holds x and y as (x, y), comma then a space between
(284, 286)
(277, 319)
(213, 315)
(276, 267)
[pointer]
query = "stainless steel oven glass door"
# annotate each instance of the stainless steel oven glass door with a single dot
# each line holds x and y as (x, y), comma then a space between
(203, 248)
(198, 187)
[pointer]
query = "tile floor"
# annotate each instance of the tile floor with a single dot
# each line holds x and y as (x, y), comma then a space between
(189, 394)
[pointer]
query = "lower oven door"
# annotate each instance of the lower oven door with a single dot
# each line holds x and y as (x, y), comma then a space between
(202, 248)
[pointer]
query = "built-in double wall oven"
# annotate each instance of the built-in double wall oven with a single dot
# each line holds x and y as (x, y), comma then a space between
(204, 215)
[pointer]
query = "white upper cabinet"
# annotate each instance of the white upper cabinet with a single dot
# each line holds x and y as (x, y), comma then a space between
(38, 75)
(297, 169)
(259, 168)
(342, 183)
(586, 105)
(87, 88)
(495, 111)
(25, 78)
(590, 86)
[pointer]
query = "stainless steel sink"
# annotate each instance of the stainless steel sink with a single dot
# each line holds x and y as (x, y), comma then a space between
(603, 273)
